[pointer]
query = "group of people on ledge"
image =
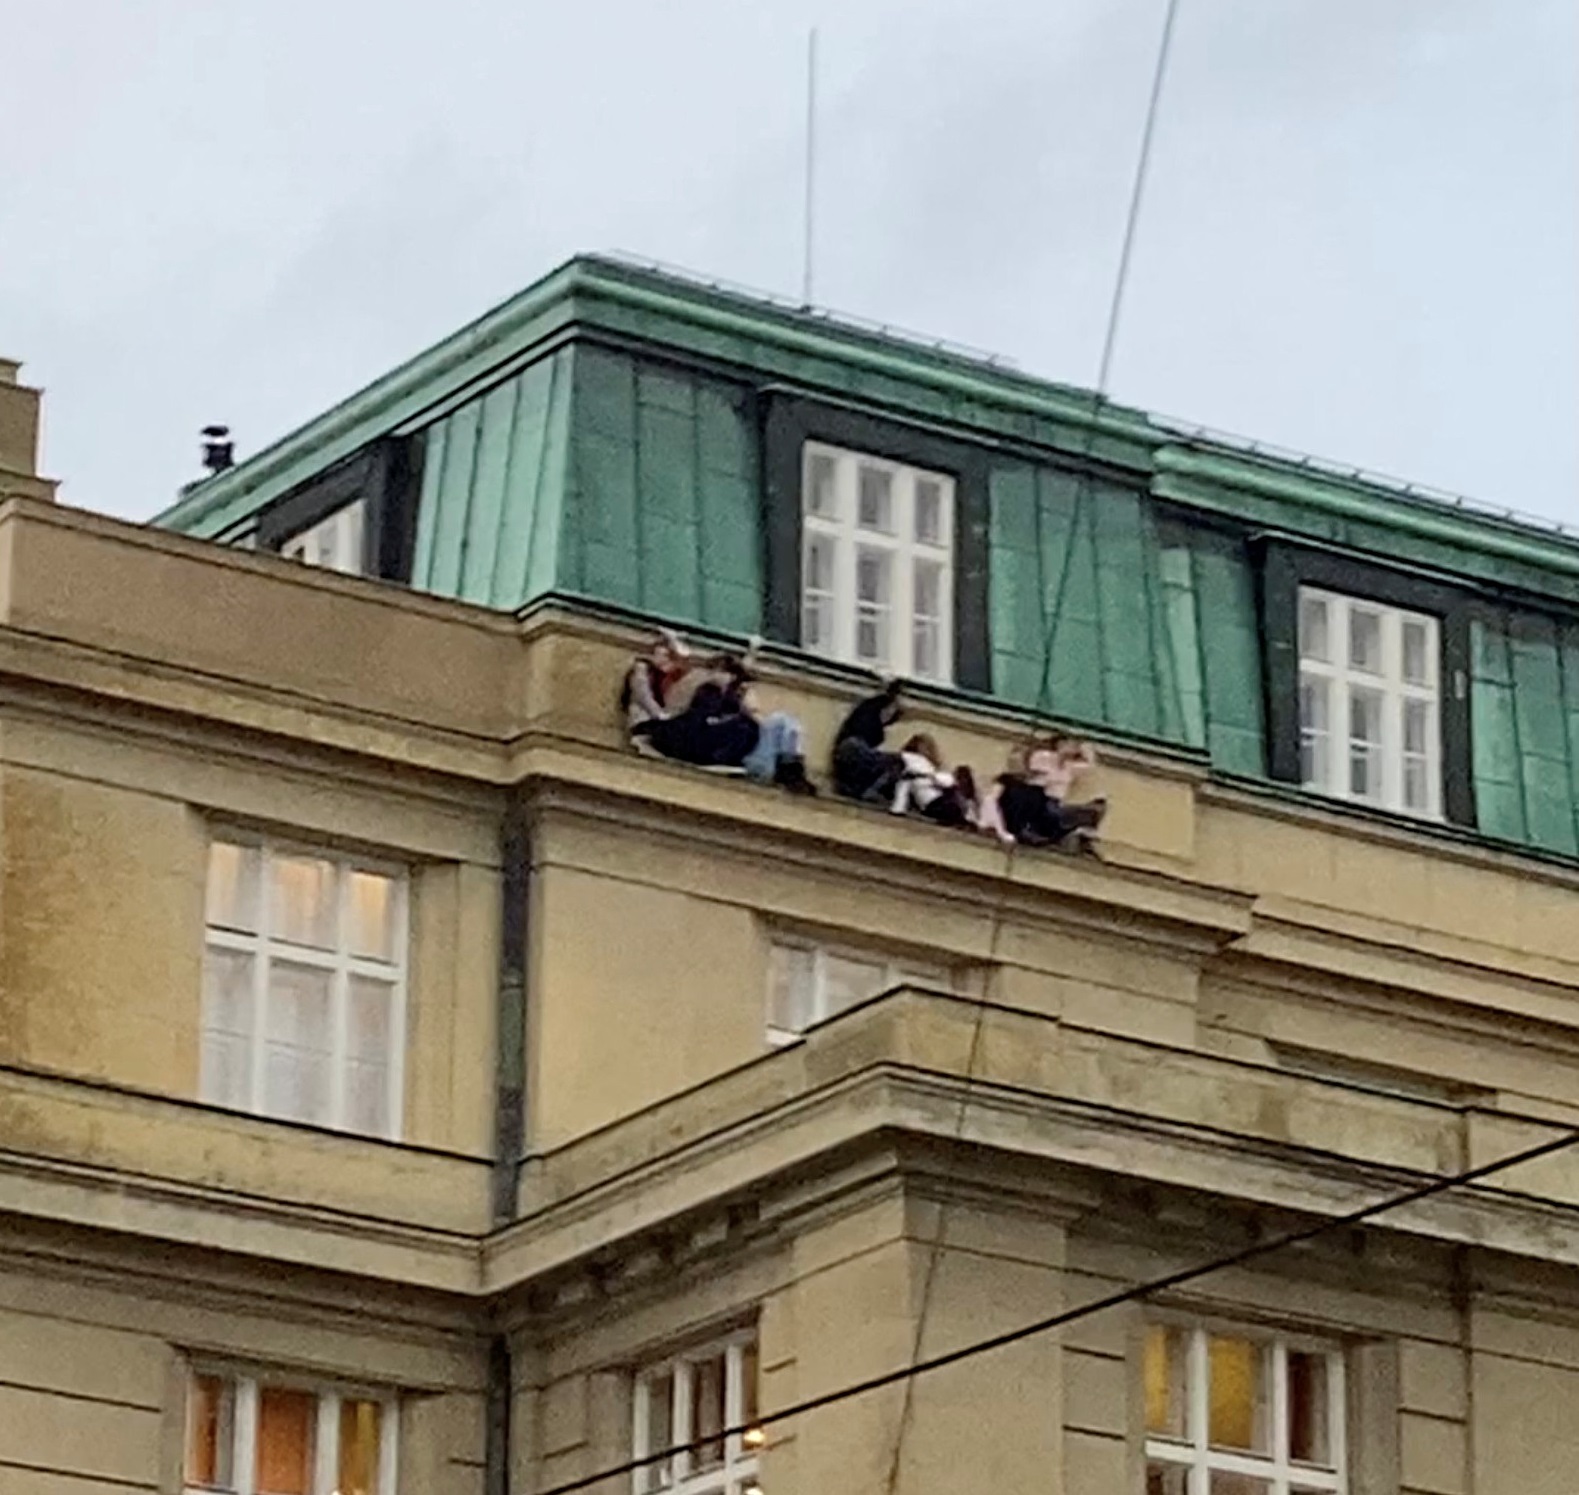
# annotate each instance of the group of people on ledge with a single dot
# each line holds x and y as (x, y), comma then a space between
(702, 711)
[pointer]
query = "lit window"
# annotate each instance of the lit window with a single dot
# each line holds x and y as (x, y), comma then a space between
(877, 563)
(689, 1403)
(1231, 1414)
(1369, 725)
(248, 1436)
(813, 982)
(304, 986)
(336, 542)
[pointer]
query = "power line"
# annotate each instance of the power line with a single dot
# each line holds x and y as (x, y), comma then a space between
(1044, 689)
(1097, 1305)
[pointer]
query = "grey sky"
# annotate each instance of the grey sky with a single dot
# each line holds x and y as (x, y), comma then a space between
(1359, 239)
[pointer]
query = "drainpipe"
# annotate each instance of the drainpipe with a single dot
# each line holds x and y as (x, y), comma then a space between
(509, 1109)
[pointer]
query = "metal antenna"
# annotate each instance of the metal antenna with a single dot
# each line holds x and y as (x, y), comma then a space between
(811, 159)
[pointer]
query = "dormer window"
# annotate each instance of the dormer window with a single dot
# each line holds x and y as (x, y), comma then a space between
(1369, 725)
(337, 542)
(877, 563)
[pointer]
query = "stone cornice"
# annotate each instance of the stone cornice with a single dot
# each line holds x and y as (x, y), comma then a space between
(757, 1148)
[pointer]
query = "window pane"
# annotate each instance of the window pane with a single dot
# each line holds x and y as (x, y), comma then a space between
(1417, 726)
(1365, 743)
(372, 899)
(1308, 1411)
(1239, 1484)
(360, 1424)
(926, 657)
(1417, 658)
(815, 627)
(929, 589)
(816, 618)
(1314, 703)
(1313, 631)
(1167, 1359)
(1167, 1479)
(297, 1028)
(1417, 784)
(659, 1394)
(871, 637)
(819, 564)
(847, 982)
(871, 577)
(348, 541)
(210, 1431)
(303, 901)
(227, 1027)
(1239, 1399)
(821, 496)
(370, 1021)
(791, 995)
(1365, 640)
(754, 1437)
(287, 1421)
(707, 1394)
(876, 508)
(929, 511)
(872, 569)
(232, 886)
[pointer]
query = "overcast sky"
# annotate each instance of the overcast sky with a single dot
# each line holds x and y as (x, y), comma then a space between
(1359, 238)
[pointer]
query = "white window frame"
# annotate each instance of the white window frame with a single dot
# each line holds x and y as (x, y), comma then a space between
(1337, 677)
(896, 972)
(738, 1474)
(1195, 1454)
(326, 1440)
(265, 948)
(842, 533)
(336, 542)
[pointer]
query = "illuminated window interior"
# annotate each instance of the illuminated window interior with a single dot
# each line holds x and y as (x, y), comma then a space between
(703, 1404)
(247, 1436)
(1241, 1414)
(304, 986)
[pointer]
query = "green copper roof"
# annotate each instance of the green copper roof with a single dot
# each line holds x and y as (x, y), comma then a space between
(767, 343)
(603, 435)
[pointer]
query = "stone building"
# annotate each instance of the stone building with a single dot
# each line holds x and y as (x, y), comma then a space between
(407, 1089)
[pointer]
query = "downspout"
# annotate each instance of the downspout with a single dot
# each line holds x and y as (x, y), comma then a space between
(509, 1110)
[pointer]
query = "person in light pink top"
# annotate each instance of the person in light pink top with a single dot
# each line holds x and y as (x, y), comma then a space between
(1029, 803)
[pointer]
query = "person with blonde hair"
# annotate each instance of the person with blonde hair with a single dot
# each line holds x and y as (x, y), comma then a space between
(1029, 803)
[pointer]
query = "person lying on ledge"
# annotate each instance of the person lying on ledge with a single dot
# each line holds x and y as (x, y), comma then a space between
(929, 789)
(862, 769)
(707, 717)
(1029, 803)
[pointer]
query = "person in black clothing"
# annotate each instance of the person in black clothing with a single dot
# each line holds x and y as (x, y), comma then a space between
(719, 728)
(1029, 803)
(861, 768)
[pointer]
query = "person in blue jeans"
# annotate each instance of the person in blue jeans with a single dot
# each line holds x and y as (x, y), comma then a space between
(720, 727)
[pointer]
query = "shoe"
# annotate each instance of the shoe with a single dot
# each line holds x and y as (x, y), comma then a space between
(791, 775)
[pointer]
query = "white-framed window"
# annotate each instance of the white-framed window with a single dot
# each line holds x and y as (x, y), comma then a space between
(304, 985)
(257, 1435)
(811, 982)
(695, 1398)
(335, 542)
(877, 563)
(1369, 702)
(1231, 1413)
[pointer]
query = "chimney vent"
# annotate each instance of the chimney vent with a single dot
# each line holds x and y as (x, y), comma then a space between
(219, 451)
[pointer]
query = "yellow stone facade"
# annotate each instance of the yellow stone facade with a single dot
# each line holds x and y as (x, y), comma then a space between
(1251, 1016)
